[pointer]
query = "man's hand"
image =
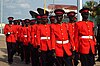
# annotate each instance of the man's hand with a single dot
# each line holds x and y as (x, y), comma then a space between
(8, 34)
(38, 46)
(30, 45)
(73, 54)
(53, 53)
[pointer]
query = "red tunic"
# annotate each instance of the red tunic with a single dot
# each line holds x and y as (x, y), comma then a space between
(12, 30)
(25, 35)
(33, 35)
(60, 39)
(18, 32)
(43, 37)
(84, 37)
(71, 28)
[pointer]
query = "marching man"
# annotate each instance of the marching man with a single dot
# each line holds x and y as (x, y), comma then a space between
(61, 41)
(9, 31)
(84, 39)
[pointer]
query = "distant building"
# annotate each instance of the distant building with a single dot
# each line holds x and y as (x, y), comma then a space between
(66, 8)
(2, 25)
(1, 28)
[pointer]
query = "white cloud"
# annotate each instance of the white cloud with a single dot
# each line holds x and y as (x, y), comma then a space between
(24, 5)
(17, 13)
(16, 4)
(10, 6)
(21, 1)
(6, 0)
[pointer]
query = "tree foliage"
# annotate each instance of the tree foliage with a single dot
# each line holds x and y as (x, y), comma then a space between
(91, 5)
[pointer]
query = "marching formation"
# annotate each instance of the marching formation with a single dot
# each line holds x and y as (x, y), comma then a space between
(56, 44)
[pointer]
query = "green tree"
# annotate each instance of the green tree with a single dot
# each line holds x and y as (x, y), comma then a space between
(97, 9)
(91, 5)
(93, 10)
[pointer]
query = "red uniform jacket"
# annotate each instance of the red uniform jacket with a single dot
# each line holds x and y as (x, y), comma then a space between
(84, 37)
(10, 29)
(43, 37)
(61, 39)
(71, 28)
(25, 35)
(33, 35)
(18, 32)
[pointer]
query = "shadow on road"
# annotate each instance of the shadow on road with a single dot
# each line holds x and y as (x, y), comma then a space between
(3, 50)
(4, 58)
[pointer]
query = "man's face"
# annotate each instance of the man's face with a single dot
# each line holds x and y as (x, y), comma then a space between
(59, 18)
(85, 15)
(39, 20)
(22, 23)
(71, 17)
(45, 20)
(10, 22)
(52, 20)
(27, 24)
(32, 23)
(18, 23)
(15, 23)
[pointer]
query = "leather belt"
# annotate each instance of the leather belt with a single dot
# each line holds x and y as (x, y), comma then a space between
(45, 37)
(62, 42)
(87, 37)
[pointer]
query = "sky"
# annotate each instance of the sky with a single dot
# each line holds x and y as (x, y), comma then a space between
(19, 9)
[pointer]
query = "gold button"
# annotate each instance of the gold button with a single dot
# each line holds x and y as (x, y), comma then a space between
(61, 29)
(62, 33)
(73, 31)
(89, 30)
(88, 26)
(73, 27)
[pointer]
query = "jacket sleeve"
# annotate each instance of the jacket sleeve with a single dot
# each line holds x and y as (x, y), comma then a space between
(32, 35)
(38, 35)
(5, 30)
(94, 38)
(70, 38)
(76, 38)
(21, 34)
(52, 39)
(15, 29)
(18, 35)
(29, 34)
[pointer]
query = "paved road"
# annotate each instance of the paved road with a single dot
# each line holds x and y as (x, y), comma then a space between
(3, 56)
